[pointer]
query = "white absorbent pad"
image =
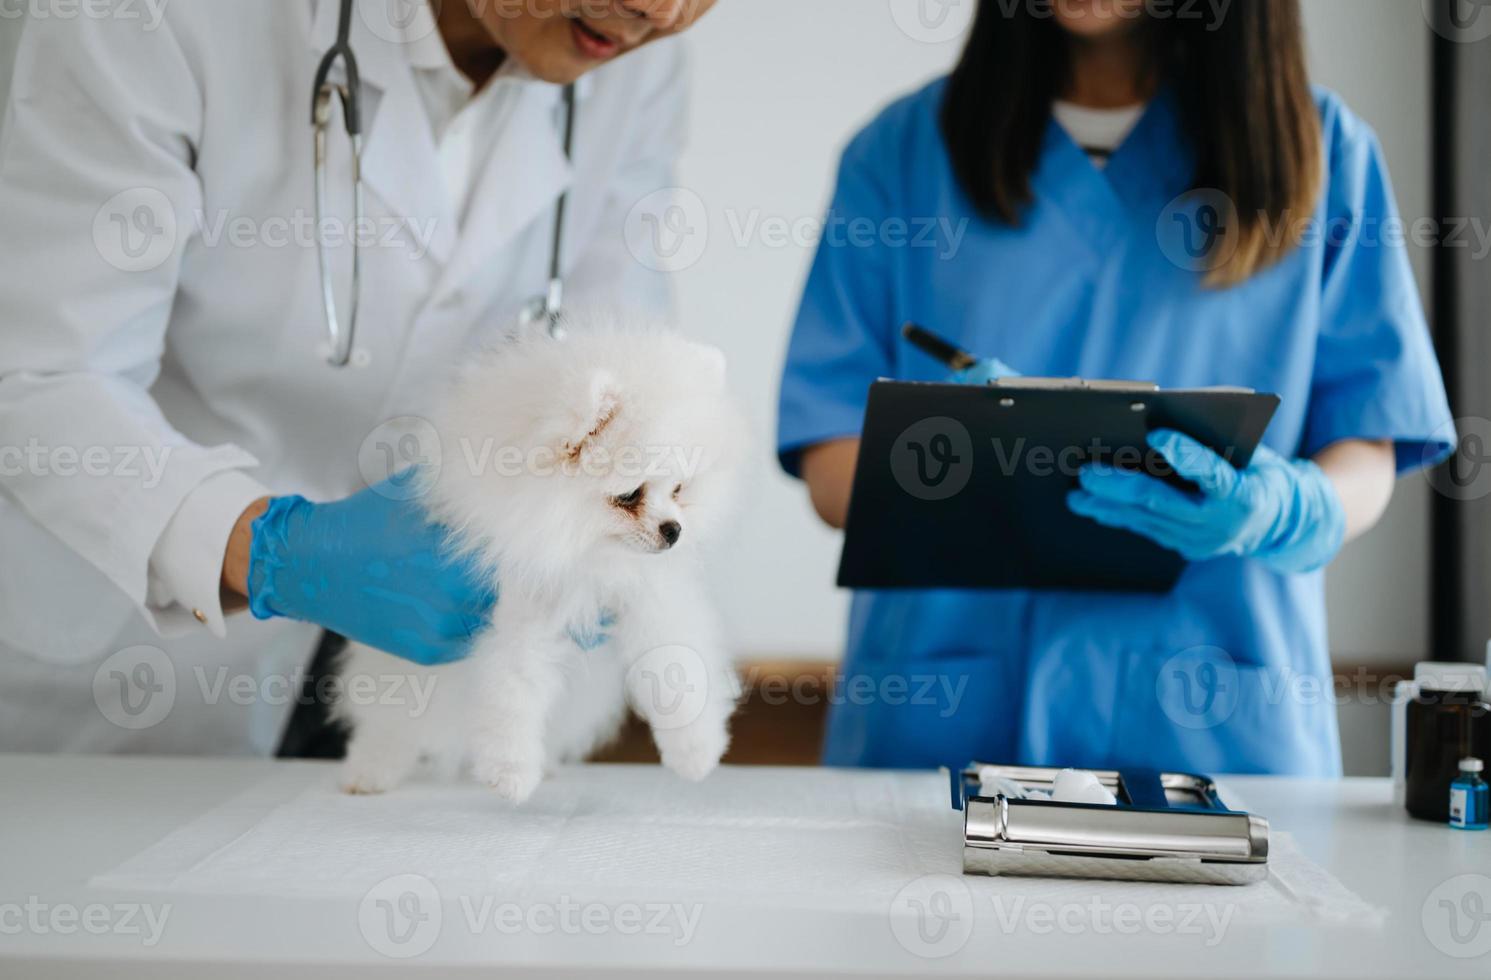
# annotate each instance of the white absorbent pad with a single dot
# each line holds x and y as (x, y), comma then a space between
(818, 839)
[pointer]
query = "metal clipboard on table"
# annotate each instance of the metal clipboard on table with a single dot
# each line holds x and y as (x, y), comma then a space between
(965, 487)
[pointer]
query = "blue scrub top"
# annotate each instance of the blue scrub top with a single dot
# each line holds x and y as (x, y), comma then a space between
(1230, 672)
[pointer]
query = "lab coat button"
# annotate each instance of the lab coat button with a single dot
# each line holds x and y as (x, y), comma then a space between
(201, 616)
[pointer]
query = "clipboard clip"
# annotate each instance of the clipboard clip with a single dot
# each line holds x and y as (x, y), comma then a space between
(1071, 384)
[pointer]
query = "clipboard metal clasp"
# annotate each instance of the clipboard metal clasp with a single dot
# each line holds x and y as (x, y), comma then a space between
(1071, 384)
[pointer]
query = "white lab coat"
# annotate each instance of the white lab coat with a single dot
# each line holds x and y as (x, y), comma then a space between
(162, 348)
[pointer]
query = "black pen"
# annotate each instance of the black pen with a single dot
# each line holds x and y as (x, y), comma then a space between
(943, 350)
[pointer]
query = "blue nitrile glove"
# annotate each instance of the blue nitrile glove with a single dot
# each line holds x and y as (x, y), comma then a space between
(371, 568)
(989, 369)
(1283, 512)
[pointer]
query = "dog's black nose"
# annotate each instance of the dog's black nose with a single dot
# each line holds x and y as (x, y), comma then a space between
(671, 532)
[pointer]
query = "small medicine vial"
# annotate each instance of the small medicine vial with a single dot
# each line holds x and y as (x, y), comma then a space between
(1468, 797)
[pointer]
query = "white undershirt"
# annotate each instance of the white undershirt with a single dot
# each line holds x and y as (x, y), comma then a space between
(462, 120)
(1097, 131)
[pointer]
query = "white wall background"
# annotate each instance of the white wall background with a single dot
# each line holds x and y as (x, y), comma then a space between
(779, 87)
(1376, 53)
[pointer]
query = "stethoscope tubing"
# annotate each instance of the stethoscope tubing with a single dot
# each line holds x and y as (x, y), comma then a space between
(342, 334)
(339, 335)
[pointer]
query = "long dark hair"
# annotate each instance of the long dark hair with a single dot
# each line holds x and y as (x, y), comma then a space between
(1242, 89)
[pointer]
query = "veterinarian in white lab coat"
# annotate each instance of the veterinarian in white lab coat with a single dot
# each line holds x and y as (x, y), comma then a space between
(163, 354)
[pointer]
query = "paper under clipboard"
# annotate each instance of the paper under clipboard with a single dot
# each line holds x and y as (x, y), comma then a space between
(965, 487)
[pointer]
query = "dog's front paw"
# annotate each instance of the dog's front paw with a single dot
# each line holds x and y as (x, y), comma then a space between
(513, 778)
(515, 785)
(369, 780)
(692, 752)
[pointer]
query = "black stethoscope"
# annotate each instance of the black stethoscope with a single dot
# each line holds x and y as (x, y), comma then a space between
(545, 308)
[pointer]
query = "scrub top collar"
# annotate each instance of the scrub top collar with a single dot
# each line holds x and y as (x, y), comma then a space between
(1155, 164)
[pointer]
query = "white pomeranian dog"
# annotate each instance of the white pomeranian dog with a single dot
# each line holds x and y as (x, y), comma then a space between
(583, 474)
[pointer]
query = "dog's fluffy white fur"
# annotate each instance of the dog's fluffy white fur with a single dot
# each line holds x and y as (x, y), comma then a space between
(584, 475)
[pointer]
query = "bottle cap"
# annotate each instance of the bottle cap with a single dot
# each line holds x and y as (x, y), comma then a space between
(1471, 764)
(1456, 678)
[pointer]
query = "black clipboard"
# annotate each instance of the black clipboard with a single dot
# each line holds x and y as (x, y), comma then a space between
(965, 487)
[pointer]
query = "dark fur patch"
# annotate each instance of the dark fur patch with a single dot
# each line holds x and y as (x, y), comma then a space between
(632, 502)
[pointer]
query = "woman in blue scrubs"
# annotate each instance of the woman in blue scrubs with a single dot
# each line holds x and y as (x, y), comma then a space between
(1106, 189)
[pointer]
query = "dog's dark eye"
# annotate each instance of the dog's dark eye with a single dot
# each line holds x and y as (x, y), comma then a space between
(677, 490)
(629, 501)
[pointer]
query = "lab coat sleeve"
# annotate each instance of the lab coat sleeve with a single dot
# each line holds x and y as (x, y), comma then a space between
(616, 265)
(99, 198)
(841, 342)
(186, 567)
(1376, 375)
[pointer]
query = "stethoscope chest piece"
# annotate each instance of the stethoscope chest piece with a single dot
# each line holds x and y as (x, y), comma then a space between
(547, 310)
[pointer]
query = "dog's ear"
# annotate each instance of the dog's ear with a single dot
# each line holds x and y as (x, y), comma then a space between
(597, 411)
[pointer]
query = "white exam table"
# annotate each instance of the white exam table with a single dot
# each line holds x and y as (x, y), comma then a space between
(64, 821)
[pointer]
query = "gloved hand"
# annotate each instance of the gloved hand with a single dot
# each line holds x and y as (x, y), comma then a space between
(1283, 512)
(986, 370)
(371, 568)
